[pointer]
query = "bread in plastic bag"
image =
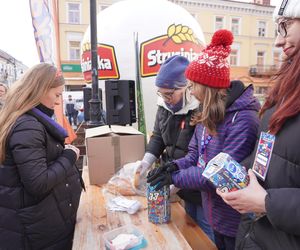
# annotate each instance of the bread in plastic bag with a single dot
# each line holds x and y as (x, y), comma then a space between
(128, 180)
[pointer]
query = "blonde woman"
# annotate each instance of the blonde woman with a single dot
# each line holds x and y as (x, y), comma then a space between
(227, 123)
(39, 184)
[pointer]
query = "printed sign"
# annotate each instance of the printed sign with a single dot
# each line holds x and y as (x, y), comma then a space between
(179, 40)
(263, 155)
(107, 62)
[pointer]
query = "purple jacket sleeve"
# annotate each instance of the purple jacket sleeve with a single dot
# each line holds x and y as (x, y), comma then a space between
(189, 175)
(239, 142)
(191, 178)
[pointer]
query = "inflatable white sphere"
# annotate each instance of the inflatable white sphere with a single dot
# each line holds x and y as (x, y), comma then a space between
(162, 30)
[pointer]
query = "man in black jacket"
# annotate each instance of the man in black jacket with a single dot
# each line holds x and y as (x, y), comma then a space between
(71, 110)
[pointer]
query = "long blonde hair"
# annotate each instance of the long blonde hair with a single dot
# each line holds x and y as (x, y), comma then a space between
(24, 95)
(213, 103)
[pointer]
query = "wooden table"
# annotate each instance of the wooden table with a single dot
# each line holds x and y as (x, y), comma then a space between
(93, 219)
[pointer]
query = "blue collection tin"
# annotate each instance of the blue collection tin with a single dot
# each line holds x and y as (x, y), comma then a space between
(159, 209)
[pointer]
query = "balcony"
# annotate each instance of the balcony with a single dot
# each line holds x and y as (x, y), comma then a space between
(262, 70)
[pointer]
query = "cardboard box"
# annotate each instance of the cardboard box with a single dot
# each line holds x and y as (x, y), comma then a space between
(108, 149)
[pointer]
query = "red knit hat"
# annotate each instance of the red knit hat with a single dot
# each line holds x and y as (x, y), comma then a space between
(211, 67)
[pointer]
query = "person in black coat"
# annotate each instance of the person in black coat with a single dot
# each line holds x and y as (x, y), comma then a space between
(40, 185)
(172, 129)
(71, 110)
(273, 200)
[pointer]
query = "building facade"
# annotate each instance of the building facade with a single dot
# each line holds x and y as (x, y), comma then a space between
(10, 68)
(74, 19)
(73, 22)
(253, 58)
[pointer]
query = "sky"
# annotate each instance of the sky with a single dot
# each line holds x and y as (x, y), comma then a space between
(17, 37)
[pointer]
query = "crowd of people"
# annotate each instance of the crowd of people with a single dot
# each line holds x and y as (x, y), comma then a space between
(201, 112)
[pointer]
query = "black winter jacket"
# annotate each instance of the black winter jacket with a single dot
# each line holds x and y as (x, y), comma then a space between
(39, 186)
(280, 228)
(171, 129)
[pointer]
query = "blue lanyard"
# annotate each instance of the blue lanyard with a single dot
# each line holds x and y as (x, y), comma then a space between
(204, 141)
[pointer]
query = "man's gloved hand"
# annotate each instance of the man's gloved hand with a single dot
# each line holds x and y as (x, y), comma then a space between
(171, 167)
(164, 179)
(168, 167)
(152, 174)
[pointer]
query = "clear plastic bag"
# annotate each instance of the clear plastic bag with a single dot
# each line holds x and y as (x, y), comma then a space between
(129, 180)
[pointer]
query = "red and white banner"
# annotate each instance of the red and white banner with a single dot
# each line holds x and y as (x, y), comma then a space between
(179, 40)
(107, 62)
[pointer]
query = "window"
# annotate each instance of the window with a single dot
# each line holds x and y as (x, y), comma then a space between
(235, 25)
(262, 28)
(260, 58)
(10, 72)
(234, 57)
(74, 13)
(219, 22)
(74, 50)
(73, 41)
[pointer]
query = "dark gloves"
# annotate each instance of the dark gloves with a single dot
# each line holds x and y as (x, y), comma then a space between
(162, 175)
(164, 179)
(168, 167)
(171, 167)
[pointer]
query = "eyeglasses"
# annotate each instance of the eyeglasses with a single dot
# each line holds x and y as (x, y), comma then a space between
(190, 86)
(166, 95)
(282, 27)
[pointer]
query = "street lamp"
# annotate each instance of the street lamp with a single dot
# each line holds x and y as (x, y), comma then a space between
(95, 107)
